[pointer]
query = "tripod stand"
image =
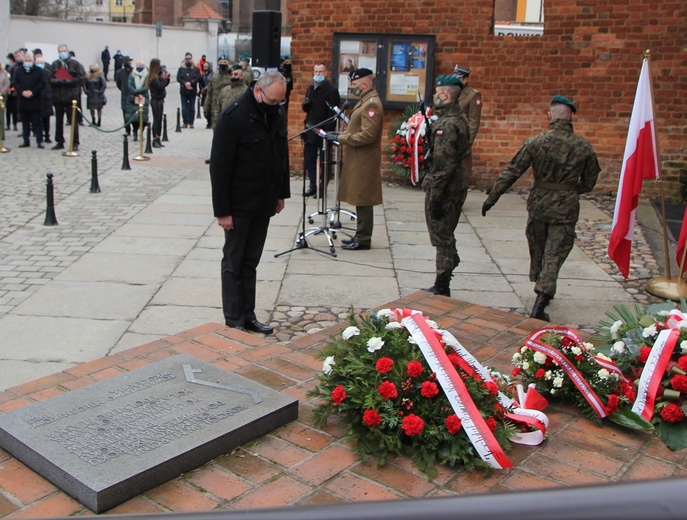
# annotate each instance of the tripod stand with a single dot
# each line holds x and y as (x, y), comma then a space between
(302, 240)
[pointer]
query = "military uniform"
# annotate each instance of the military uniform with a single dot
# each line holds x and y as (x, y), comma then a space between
(564, 166)
(470, 102)
(212, 105)
(230, 92)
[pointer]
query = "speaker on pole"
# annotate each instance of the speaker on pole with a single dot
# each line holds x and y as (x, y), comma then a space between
(266, 42)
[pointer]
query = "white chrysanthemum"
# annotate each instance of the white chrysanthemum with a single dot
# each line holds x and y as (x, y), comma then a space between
(432, 324)
(517, 357)
(393, 325)
(603, 356)
(328, 364)
(616, 326)
(650, 331)
(683, 346)
(412, 341)
(577, 351)
(349, 332)
(618, 347)
(404, 126)
(525, 365)
(548, 375)
(374, 344)
(539, 357)
(682, 324)
(615, 376)
(434, 118)
(589, 346)
(558, 381)
(603, 374)
(386, 313)
(662, 314)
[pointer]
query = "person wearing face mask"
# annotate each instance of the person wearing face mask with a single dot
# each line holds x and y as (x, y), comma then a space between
(95, 93)
(30, 83)
(205, 79)
(211, 105)
(158, 79)
(361, 176)
(11, 114)
(122, 82)
(318, 98)
(188, 77)
(249, 172)
(139, 94)
(66, 79)
(48, 111)
(235, 88)
(445, 184)
(286, 71)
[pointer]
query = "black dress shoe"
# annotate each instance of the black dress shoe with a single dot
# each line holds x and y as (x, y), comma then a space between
(40, 145)
(75, 148)
(355, 246)
(238, 327)
(256, 326)
(207, 161)
(310, 192)
(58, 146)
(24, 145)
(348, 240)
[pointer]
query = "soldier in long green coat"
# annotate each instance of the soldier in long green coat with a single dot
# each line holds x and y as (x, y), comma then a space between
(564, 166)
(213, 105)
(235, 88)
(445, 185)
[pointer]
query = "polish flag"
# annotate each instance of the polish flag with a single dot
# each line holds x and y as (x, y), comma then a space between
(639, 162)
(681, 243)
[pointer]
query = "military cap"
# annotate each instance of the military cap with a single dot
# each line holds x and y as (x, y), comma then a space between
(562, 100)
(359, 73)
(235, 66)
(285, 57)
(223, 57)
(461, 71)
(244, 57)
(449, 80)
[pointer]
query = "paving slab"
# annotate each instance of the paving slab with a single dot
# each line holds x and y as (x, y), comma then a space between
(121, 267)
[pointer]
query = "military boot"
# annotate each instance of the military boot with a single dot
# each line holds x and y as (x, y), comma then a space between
(442, 285)
(540, 304)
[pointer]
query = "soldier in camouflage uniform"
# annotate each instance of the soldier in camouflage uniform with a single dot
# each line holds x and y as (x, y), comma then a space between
(445, 184)
(234, 90)
(564, 166)
(212, 105)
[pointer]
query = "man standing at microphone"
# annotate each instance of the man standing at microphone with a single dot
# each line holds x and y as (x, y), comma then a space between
(319, 97)
(361, 177)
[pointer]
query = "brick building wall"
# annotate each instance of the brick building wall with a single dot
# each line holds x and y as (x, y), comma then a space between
(591, 51)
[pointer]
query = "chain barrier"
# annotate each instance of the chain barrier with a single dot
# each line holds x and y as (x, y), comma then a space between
(93, 125)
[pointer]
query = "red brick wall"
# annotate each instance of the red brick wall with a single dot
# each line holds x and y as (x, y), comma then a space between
(591, 51)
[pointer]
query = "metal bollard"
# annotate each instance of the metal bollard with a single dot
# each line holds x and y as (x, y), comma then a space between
(74, 122)
(140, 156)
(178, 120)
(2, 127)
(95, 187)
(198, 116)
(149, 148)
(50, 218)
(125, 160)
(164, 128)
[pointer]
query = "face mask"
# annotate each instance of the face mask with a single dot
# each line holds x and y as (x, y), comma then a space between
(287, 67)
(318, 79)
(64, 56)
(269, 109)
(40, 64)
(189, 63)
(357, 91)
(93, 71)
(223, 66)
(140, 69)
(235, 80)
(28, 66)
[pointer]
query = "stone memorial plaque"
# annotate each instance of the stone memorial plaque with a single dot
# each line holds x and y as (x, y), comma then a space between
(108, 442)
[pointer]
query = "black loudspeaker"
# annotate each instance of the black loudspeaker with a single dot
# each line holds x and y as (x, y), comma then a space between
(266, 42)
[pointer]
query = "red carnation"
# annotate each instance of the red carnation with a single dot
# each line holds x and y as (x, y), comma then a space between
(384, 365)
(540, 373)
(644, 354)
(567, 342)
(414, 368)
(429, 389)
(491, 422)
(453, 424)
(388, 390)
(338, 394)
(629, 392)
(679, 383)
(454, 359)
(612, 404)
(372, 418)
(491, 387)
(579, 357)
(412, 425)
(672, 413)
(516, 371)
(682, 363)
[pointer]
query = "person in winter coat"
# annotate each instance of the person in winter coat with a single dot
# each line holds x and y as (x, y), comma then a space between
(188, 77)
(48, 111)
(211, 105)
(29, 82)
(158, 79)
(95, 93)
(204, 85)
(122, 82)
(138, 95)
(66, 79)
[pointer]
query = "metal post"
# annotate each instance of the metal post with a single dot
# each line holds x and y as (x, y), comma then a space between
(50, 218)
(198, 116)
(71, 152)
(125, 159)
(178, 120)
(2, 127)
(149, 148)
(140, 156)
(164, 128)
(95, 188)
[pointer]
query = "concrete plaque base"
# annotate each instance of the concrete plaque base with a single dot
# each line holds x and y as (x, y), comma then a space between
(108, 442)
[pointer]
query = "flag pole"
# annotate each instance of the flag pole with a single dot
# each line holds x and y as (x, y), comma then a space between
(663, 286)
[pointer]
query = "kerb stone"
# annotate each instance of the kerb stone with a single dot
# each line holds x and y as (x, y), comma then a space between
(108, 442)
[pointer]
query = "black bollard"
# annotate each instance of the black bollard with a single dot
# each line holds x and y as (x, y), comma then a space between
(164, 128)
(95, 188)
(50, 218)
(125, 159)
(178, 120)
(198, 116)
(149, 148)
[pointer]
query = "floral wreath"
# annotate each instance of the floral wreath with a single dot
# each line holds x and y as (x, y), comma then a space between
(409, 147)
(407, 388)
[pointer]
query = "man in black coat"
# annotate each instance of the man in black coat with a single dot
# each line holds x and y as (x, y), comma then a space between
(29, 82)
(249, 172)
(105, 58)
(188, 77)
(122, 82)
(118, 60)
(318, 98)
(66, 80)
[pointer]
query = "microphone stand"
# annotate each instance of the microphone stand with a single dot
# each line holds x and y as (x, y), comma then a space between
(335, 212)
(302, 240)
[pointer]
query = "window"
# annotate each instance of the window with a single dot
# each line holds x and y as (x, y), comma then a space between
(119, 3)
(518, 17)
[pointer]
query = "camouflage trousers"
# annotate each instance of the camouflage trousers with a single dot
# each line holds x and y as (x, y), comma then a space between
(550, 245)
(442, 231)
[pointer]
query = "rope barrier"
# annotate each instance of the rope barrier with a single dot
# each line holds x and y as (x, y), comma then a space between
(92, 125)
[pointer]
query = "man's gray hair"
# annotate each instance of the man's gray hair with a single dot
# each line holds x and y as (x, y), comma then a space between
(269, 77)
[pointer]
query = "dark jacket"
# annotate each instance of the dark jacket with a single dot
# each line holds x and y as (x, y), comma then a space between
(122, 82)
(47, 94)
(316, 109)
(158, 87)
(118, 59)
(137, 87)
(249, 163)
(191, 74)
(64, 91)
(34, 80)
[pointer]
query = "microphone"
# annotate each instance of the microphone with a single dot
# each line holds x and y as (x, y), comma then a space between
(340, 113)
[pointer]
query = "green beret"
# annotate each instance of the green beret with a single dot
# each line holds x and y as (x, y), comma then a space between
(285, 57)
(562, 100)
(235, 66)
(244, 57)
(449, 80)
(223, 57)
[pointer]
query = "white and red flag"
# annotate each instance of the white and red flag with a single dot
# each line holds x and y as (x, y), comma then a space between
(681, 243)
(639, 162)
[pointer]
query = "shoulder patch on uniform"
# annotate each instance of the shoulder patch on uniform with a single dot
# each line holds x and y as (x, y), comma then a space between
(440, 132)
(478, 102)
(371, 113)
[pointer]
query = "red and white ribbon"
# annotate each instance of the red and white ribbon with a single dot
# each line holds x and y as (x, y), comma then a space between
(480, 435)
(416, 126)
(652, 375)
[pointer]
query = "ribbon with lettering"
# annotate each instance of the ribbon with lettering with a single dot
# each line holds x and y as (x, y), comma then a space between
(417, 127)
